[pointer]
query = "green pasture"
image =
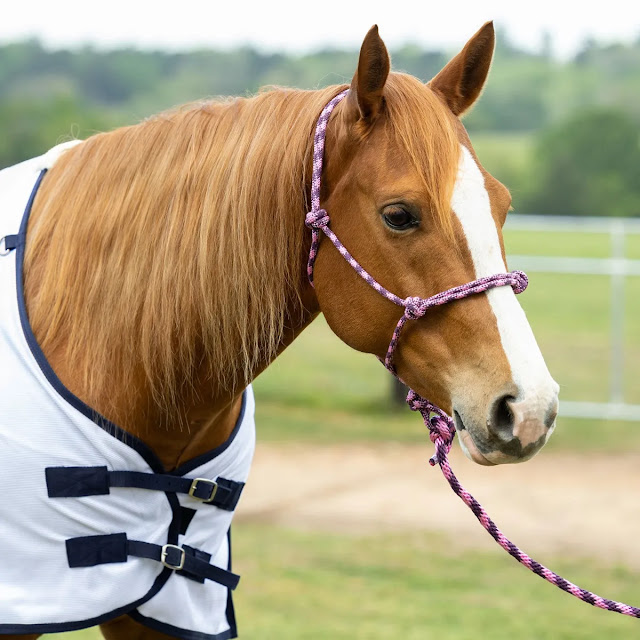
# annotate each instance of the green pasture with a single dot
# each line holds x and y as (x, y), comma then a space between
(315, 586)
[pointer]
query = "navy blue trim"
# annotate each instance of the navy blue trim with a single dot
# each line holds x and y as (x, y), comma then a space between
(111, 428)
(135, 443)
(231, 612)
(138, 445)
(58, 627)
(194, 463)
(177, 632)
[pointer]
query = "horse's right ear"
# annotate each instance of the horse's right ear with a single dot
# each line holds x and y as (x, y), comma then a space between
(369, 80)
(461, 81)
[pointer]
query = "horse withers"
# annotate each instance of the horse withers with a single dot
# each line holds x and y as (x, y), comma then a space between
(161, 267)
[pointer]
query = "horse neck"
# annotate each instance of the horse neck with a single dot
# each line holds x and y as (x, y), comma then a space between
(104, 338)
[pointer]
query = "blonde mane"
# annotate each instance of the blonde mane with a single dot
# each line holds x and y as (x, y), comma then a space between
(177, 244)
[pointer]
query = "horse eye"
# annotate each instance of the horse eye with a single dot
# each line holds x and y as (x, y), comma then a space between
(398, 218)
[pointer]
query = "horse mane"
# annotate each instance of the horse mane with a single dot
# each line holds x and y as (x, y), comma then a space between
(162, 247)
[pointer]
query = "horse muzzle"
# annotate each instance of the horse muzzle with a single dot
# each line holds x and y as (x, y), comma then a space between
(514, 429)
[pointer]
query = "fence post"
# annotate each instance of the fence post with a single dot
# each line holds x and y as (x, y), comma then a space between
(398, 393)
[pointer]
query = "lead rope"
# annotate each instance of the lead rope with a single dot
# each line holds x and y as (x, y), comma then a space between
(442, 433)
(441, 426)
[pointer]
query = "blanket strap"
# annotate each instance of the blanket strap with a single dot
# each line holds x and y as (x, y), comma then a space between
(89, 551)
(75, 482)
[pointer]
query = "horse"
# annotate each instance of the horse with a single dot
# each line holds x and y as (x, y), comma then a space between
(165, 267)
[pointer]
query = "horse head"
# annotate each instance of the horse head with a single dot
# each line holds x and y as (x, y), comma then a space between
(410, 200)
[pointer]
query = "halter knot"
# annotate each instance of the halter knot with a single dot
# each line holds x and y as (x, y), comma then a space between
(520, 281)
(441, 427)
(414, 308)
(317, 219)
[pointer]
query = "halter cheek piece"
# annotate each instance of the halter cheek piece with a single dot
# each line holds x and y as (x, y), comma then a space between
(441, 426)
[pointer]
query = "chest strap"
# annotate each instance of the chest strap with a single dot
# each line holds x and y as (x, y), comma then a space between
(76, 482)
(89, 551)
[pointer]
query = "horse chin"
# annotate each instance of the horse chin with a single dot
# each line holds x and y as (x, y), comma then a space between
(492, 459)
(471, 451)
(484, 458)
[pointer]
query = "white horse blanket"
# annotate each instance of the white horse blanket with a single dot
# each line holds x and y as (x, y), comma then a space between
(91, 527)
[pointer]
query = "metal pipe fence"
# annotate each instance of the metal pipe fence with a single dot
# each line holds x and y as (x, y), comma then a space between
(617, 267)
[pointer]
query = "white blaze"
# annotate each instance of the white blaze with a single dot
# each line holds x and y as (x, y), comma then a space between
(471, 205)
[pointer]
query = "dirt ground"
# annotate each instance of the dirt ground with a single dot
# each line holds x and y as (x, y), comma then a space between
(585, 506)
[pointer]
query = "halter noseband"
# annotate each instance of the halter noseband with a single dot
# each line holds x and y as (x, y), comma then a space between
(441, 426)
(318, 220)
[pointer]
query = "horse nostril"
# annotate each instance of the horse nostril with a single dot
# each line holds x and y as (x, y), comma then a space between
(552, 414)
(501, 419)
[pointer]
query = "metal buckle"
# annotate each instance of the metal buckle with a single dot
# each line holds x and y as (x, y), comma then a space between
(166, 550)
(194, 487)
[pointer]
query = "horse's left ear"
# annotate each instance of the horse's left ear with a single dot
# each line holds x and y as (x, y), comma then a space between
(369, 80)
(461, 81)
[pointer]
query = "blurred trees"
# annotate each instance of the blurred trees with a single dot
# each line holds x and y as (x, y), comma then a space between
(588, 164)
(529, 124)
(30, 127)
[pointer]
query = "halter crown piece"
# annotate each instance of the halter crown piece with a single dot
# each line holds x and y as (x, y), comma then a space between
(441, 426)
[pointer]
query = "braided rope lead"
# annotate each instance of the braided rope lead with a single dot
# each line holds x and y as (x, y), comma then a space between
(442, 432)
(441, 427)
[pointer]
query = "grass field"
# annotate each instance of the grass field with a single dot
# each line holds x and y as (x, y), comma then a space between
(313, 587)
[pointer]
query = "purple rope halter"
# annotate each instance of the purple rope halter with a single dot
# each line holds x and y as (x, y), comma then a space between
(441, 427)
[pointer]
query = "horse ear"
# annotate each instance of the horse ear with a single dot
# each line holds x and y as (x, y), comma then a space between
(461, 81)
(369, 80)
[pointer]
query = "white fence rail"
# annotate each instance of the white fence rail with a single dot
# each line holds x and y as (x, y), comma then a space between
(617, 267)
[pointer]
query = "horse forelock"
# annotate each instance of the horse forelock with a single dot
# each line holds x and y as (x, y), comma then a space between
(425, 128)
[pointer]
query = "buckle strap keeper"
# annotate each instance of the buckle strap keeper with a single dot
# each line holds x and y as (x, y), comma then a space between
(9, 243)
(75, 482)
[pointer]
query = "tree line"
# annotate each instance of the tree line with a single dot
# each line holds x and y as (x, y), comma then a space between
(571, 127)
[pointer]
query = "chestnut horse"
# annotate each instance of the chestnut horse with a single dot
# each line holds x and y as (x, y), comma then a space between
(165, 262)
